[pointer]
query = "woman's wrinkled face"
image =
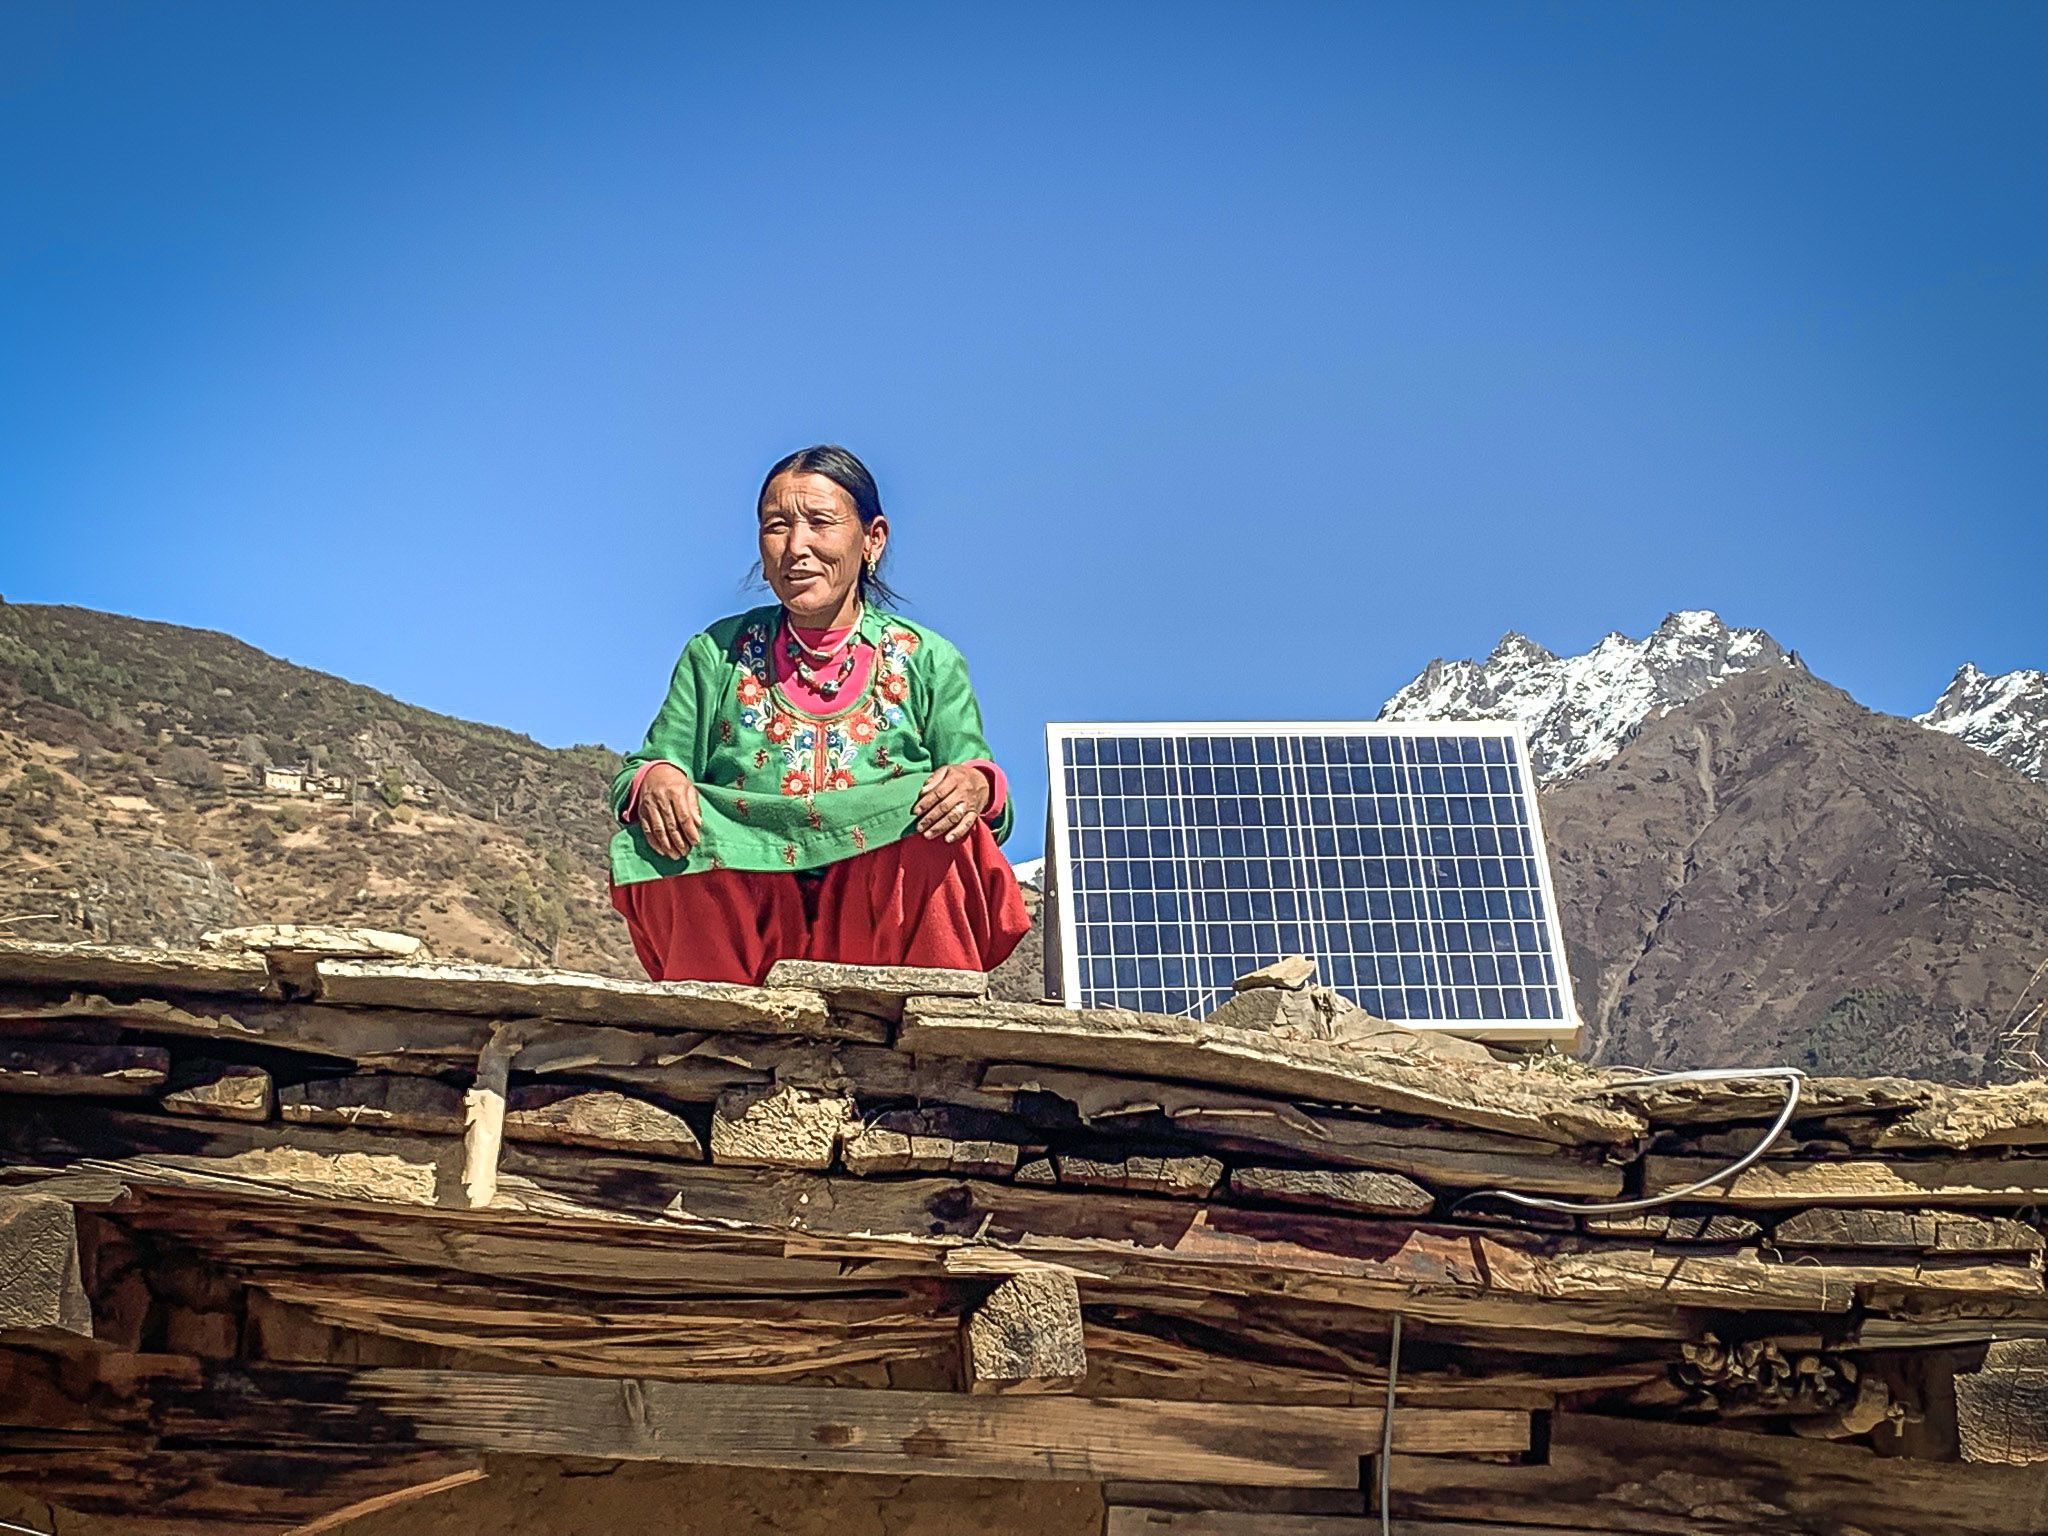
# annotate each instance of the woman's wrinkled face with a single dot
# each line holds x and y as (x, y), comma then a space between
(813, 545)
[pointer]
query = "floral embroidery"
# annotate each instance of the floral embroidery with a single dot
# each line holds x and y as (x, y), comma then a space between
(821, 755)
(739, 806)
(789, 853)
(814, 816)
(725, 730)
(860, 838)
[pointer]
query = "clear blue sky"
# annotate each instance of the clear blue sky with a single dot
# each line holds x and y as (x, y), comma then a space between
(1216, 361)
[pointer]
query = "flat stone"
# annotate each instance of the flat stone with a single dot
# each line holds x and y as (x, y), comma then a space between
(1352, 1189)
(316, 939)
(879, 981)
(220, 1090)
(1027, 1335)
(1290, 971)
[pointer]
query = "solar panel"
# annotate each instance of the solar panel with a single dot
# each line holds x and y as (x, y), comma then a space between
(1406, 859)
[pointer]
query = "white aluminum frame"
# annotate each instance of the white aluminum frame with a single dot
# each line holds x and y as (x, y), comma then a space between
(1517, 1031)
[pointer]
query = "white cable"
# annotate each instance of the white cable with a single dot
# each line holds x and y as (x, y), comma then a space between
(1387, 1425)
(1792, 1078)
(28, 1530)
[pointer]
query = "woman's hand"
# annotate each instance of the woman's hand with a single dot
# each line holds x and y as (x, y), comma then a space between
(951, 802)
(668, 811)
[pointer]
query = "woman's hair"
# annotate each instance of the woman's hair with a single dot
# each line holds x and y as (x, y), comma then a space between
(851, 476)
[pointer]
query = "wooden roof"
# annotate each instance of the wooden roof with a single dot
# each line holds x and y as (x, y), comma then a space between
(286, 1231)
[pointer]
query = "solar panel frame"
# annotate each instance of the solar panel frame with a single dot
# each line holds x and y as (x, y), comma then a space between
(1064, 955)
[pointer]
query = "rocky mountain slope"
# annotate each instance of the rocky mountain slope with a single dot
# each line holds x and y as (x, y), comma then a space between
(133, 806)
(1579, 710)
(2006, 715)
(1774, 873)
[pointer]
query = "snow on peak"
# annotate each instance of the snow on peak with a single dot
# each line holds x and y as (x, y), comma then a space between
(1029, 872)
(1579, 710)
(2005, 715)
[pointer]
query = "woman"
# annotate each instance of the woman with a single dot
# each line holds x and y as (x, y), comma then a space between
(816, 784)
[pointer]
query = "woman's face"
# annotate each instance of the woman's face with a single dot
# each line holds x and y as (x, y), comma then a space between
(813, 545)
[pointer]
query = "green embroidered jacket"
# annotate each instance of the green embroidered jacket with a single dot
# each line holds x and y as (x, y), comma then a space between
(781, 789)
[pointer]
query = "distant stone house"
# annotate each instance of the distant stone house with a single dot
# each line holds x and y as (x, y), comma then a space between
(284, 781)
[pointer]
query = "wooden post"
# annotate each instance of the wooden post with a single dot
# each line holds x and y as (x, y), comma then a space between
(483, 1129)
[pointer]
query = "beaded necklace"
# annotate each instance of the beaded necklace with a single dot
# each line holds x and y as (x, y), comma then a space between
(816, 678)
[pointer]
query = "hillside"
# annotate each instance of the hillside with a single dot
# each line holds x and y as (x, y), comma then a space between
(132, 807)
(1775, 873)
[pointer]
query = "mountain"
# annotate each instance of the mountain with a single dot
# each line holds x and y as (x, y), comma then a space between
(157, 781)
(1775, 873)
(1580, 710)
(2006, 715)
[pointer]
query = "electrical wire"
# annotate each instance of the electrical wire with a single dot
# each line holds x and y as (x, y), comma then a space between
(1387, 1426)
(1793, 1080)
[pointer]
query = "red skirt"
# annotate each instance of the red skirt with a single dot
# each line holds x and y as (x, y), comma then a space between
(916, 901)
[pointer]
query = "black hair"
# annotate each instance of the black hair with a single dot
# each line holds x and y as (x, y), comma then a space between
(847, 472)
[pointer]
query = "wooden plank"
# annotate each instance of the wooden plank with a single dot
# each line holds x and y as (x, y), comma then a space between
(1183, 1178)
(1960, 1181)
(98, 1071)
(1362, 1190)
(943, 1434)
(1154, 1046)
(574, 997)
(1457, 1159)
(933, 1138)
(41, 1279)
(1026, 1335)
(1681, 1480)
(1131, 1520)
(1915, 1231)
(2003, 1115)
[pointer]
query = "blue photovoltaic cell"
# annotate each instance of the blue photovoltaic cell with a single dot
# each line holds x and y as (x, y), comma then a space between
(1405, 860)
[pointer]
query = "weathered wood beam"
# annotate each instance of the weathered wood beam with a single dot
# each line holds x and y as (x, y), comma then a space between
(917, 1432)
(1362, 1190)
(1915, 1231)
(483, 1118)
(1679, 1480)
(1027, 1335)
(41, 1279)
(99, 1071)
(1962, 1181)
(1133, 1520)
(1147, 1045)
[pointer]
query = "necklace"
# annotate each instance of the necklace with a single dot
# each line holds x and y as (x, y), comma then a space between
(826, 655)
(816, 678)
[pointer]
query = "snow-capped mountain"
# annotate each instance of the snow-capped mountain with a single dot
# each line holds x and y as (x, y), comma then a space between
(2006, 716)
(1579, 710)
(1029, 871)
